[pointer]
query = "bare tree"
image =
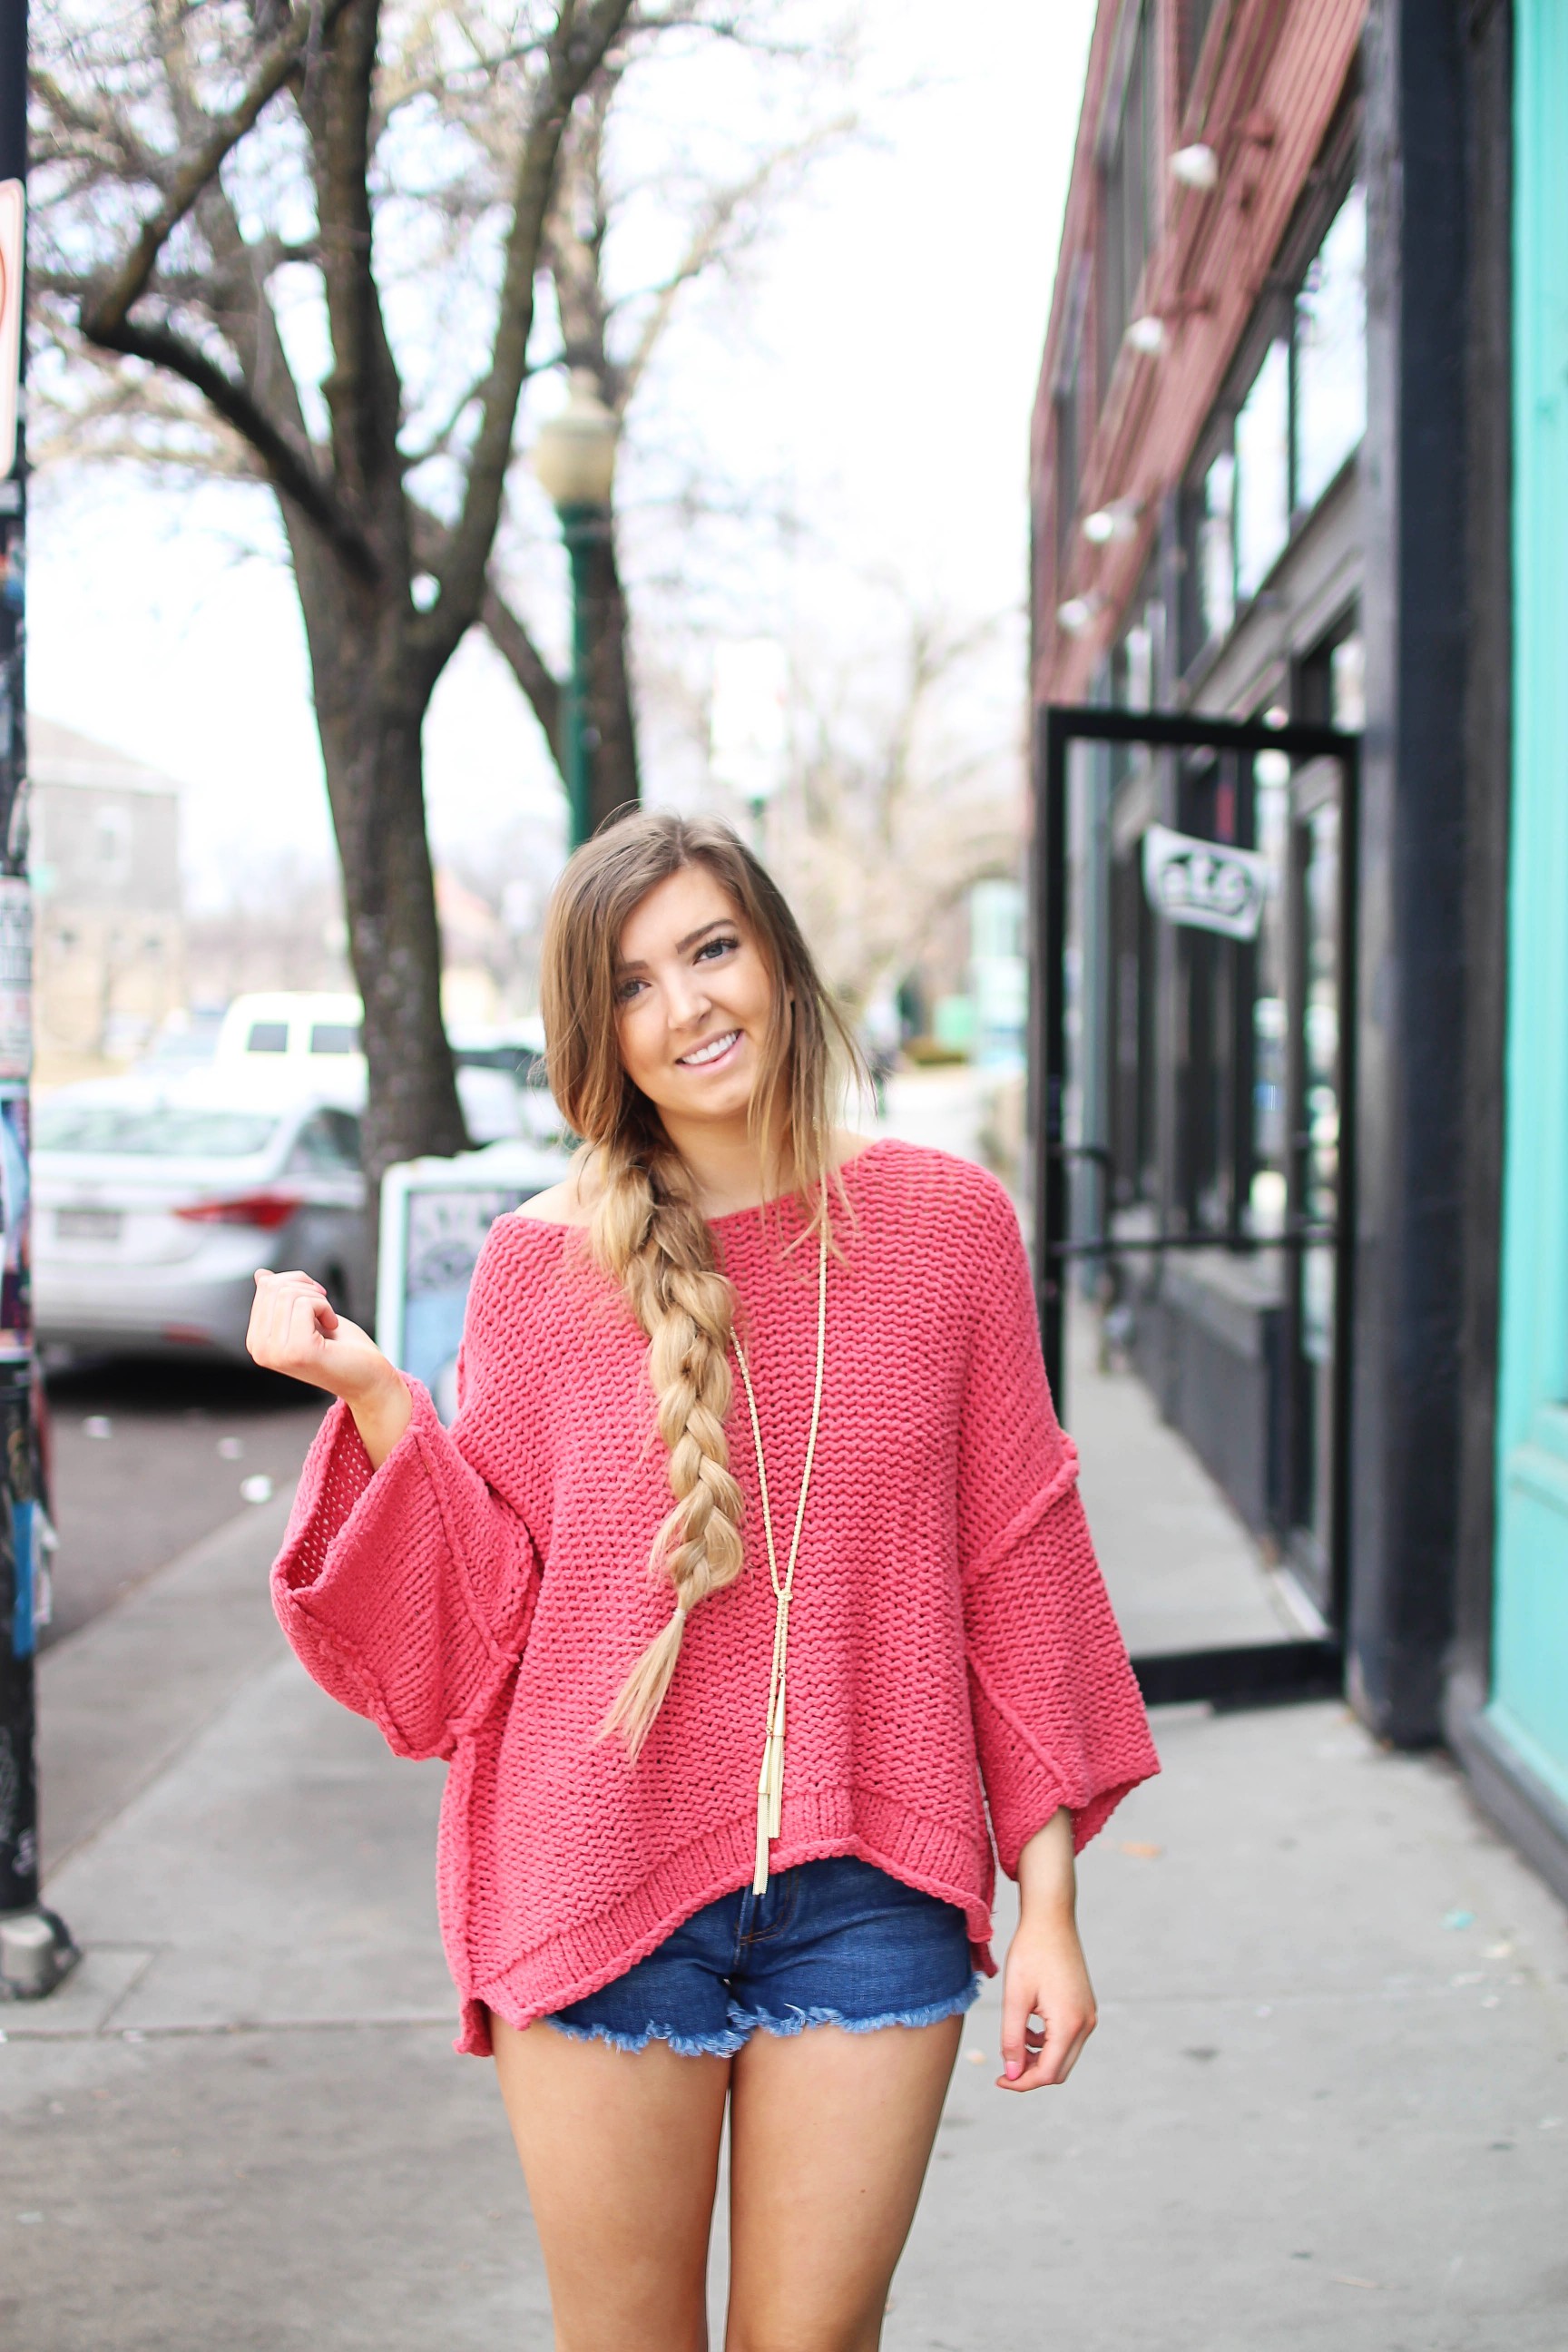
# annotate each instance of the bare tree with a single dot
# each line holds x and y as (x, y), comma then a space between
(248, 184)
(897, 807)
(239, 197)
(612, 337)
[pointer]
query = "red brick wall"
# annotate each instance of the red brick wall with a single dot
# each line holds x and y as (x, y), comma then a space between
(1271, 75)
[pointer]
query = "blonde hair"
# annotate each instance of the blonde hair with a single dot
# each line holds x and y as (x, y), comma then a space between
(646, 1229)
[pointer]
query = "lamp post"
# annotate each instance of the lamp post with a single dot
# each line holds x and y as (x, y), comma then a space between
(574, 459)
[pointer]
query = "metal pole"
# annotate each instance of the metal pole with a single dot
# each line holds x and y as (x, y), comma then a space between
(34, 1948)
(581, 527)
(1050, 1176)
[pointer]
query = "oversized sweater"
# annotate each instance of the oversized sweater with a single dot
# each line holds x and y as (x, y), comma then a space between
(951, 1650)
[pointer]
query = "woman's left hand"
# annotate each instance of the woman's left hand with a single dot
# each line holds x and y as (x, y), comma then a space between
(1047, 2001)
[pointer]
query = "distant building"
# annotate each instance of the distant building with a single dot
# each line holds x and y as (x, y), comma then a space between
(110, 943)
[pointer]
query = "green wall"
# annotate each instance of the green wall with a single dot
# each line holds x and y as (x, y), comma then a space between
(1528, 1706)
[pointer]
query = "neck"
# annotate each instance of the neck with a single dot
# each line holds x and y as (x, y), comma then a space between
(725, 1164)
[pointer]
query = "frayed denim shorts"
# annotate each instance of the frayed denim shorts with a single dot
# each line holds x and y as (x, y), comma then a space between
(827, 1943)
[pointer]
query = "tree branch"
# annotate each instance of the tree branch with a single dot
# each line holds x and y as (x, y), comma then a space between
(710, 240)
(526, 663)
(109, 305)
(289, 471)
(576, 50)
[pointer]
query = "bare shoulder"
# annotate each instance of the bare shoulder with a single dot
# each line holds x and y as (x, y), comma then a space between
(848, 1145)
(558, 1204)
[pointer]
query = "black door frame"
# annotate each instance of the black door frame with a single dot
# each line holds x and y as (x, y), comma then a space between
(1246, 1674)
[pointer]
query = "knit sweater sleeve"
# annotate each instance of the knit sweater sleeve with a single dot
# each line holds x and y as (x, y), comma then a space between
(1058, 1714)
(407, 1591)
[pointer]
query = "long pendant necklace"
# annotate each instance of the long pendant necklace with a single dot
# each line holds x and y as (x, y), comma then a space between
(770, 1781)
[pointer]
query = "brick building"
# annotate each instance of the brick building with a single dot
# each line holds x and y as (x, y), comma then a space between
(1295, 462)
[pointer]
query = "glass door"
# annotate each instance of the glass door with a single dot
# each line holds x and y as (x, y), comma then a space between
(1315, 1176)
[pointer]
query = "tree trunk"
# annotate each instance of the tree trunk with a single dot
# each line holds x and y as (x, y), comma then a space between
(371, 699)
(608, 715)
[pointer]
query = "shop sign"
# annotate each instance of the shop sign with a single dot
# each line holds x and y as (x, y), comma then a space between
(1206, 884)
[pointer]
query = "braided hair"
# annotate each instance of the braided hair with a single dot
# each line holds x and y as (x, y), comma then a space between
(646, 1229)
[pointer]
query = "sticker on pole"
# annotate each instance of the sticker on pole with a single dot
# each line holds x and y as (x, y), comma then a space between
(1206, 884)
(13, 238)
(15, 977)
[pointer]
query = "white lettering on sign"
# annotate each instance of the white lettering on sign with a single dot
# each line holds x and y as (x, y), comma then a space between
(13, 219)
(1204, 884)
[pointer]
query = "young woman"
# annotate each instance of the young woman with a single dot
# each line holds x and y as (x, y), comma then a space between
(796, 1376)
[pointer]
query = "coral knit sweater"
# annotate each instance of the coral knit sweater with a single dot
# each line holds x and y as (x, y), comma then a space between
(951, 1650)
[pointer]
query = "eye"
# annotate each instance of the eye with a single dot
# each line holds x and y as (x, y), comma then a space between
(717, 946)
(626, 990)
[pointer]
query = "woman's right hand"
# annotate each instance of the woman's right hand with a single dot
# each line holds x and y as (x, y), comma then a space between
(295, 1329)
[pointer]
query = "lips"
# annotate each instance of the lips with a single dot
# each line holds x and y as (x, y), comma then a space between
(712, 1051)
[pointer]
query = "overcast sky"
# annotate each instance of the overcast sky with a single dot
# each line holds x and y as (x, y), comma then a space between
(883, 360)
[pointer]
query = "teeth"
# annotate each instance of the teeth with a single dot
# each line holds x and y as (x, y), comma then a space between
(710, 1053)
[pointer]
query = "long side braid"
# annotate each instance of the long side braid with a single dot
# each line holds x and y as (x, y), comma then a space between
(648, 1232)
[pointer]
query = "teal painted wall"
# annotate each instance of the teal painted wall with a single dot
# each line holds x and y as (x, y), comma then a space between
(1529, 1704)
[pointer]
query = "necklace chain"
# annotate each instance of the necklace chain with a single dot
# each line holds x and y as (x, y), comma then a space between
(770, 1781)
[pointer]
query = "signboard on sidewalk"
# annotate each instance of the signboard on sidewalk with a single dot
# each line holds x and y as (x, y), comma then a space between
(1206, 884)
(434, 1216)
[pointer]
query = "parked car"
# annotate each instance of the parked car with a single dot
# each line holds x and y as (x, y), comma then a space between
(154, 1202)
(315, 1035)
(311, 1036)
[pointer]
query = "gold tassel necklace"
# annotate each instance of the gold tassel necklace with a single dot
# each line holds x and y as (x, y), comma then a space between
(770, 1781)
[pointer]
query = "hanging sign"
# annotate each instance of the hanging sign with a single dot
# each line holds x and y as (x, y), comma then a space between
(1206, 884)
(12, 218)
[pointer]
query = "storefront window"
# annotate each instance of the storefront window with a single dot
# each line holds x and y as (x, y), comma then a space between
(1127, 201)
(1330, 352)
(1217, 548)
(1278, 453)
(1271, 816)
(1347, 684)
(1262, 471)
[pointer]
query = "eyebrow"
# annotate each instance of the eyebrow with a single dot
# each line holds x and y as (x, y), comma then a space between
(720, 923)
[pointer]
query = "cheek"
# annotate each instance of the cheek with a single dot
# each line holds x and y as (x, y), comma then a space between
(633, 1052)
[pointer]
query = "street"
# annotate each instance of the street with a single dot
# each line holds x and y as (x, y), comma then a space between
(149, 1455)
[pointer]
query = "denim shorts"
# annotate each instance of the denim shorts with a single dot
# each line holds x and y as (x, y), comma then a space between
(827, 1943)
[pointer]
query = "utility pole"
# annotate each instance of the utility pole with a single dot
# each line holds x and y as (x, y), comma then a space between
(34, 1948)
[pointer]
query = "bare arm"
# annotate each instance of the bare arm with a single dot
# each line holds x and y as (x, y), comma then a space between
(295, 1329)
(1046, 1976)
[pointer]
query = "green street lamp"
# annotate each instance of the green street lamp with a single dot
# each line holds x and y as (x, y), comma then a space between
(574, 459)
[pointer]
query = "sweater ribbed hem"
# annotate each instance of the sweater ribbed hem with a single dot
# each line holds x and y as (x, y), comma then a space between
(929, 1855)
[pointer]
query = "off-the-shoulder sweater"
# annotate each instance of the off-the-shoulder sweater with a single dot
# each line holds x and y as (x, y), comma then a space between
(955, 1671)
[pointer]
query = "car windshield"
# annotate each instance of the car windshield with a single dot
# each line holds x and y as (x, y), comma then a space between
(152, 1130)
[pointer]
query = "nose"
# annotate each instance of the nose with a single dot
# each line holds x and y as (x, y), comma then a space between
(687, 998)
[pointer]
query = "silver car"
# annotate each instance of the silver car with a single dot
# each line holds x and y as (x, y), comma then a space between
(153, 1204)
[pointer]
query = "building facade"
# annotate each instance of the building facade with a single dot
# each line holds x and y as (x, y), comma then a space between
(108, 943)
(1298, 457)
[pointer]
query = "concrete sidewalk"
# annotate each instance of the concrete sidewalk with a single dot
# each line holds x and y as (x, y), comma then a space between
(1327, 2108)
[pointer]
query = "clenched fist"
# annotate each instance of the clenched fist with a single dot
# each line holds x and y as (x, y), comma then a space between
(295, 1329)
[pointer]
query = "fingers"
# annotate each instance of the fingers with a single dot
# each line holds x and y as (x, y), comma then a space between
(1047, 2053)
(1045, 2025)
(291, 1317)
(1016, 1997)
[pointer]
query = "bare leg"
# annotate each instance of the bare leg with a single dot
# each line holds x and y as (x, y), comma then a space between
(620, 2152)
(830, 2136)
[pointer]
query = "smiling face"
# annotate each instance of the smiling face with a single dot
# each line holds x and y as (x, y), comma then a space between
(693, 1000)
